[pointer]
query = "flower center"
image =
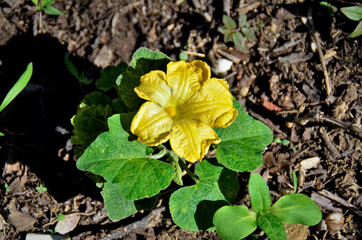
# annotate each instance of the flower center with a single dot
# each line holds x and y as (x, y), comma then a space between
(171, 111)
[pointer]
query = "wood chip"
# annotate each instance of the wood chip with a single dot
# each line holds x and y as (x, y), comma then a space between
(21, 221)
(68, 224)
(309, 163)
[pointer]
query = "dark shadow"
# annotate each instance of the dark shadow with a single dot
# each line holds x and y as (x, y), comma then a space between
(49, 101)
(205, 212)
(206, 209)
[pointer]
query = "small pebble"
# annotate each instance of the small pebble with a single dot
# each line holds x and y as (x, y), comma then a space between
(37, 236)
(223, 65)
(334, 221)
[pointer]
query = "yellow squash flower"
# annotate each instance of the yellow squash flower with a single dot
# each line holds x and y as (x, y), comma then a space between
(183, 106)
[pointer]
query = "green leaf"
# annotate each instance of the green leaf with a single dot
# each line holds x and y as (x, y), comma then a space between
(272, 226)
(228, 37)
(357, 31)
(125, 162)
(35, 2)
(91, 120)
(329, 7)
(354, 13)
(116, 206)
(193, 207)
(243, 142)
(295, 181)
(183, 56)
(228, 22)
(147, 204)
(297, 208)
(96, 98)
(143, 61)
(89, 123)
(70, 66)
(1, 134)
(177, 177)
(18, 87)
(234, 222)
(223, 30)
(242, 20)
(259, 194)
(52, 11)
(45, 3)
(119, 105)
(248, 33)
(239, 41)
(60, 217)
(83, 79)
(109, 76)
(126, 120)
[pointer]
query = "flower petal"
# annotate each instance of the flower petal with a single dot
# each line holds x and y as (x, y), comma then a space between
(154, 88)
(152, 124)
(212, 105)
(184, 80)
(206, 73)
(191, 139)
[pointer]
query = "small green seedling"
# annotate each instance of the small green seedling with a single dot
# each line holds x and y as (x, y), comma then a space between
(284, 142)
(41, 189)
(7, 189)
(236, 222)
(236, 34)
(60, 217)
(329, 7)
(44, 5)
(354, 13)
(17, 88)
(183, 56)
(73, 70)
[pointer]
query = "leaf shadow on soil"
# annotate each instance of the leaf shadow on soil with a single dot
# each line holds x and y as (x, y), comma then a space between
(49, 101)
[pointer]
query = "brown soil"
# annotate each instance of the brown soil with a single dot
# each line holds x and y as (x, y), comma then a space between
(281, 82)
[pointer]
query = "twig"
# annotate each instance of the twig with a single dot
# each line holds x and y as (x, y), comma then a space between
(341, 201)
(335, 153)
(324, 67)
(316, 38)
(129, 7)
(195, 54)
(154, 215)
(229, 56)
(226, 7)
(248, 8)
(320, 117)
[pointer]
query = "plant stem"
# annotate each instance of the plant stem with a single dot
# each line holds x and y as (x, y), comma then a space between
(159, 155)
(176, 159)
(191, 174)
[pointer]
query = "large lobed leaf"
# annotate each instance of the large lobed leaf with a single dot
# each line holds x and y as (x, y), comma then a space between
(116, 206)
(109, 76)
(243, 142)
(193, 207)
(125, 163)
(143, 61)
